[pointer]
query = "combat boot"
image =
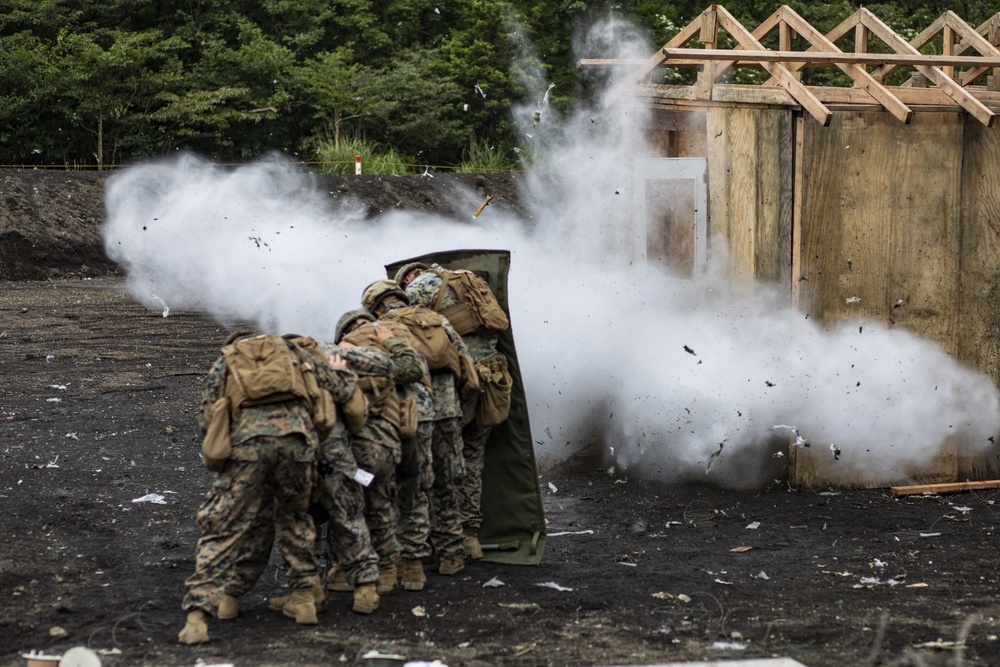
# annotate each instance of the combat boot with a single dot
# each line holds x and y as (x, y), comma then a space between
(387, 577)
(195, 629)
(229, 608)
(365, 598)
(413, 577)
(301, 607)
(448, 565)
(473, 549)
(278, 603)
(336, 580)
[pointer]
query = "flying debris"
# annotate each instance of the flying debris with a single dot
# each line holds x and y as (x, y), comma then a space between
(714, 457)
(537, 118)
(799, 440)
(836, 451)
(482, 206)
(480, 91)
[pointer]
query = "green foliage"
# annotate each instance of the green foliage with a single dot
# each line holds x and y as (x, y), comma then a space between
(340, 158)
(482, 156)
(110, 81)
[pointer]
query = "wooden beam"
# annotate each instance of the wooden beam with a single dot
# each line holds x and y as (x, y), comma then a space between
(948, 85)
(787, 80)
(974, 39)
(862, 79)
(609, 62)
(625, 85)
(948, 487)
(836, 57)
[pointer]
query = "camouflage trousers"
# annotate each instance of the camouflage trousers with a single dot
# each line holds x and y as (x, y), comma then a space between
(470, 487)
(414, 476)
(446, 523)
(379, 457)
(250, 502)
(343, 502)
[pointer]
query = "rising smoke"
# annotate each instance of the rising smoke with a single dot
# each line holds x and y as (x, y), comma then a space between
(672, 378)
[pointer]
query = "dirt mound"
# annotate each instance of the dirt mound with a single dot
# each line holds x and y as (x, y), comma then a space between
(50, 220)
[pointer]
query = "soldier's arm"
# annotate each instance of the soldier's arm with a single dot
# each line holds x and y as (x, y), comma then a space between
(362, 360)
(338, 379)
(213, 389)
(453, 336)
(407, 361)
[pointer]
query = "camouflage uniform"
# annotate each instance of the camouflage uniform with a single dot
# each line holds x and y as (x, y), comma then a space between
(482, 344)
(414, 474)
(446, 457)
(263, 489)
(377, 450)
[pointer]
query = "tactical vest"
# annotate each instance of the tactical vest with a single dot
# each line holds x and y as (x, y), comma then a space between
(477, 307)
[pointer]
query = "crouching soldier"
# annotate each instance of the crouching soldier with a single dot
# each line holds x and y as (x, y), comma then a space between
(266, 404)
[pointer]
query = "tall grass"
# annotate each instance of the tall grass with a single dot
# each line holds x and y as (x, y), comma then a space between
(481, 156)
(340, 159)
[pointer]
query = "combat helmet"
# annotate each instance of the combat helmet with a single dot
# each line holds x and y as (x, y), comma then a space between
(380, 289)
(406, 268)
(348, 319)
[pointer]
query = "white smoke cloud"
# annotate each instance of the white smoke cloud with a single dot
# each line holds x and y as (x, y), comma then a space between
(676, 376)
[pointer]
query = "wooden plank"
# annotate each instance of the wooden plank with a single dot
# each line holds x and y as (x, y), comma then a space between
(774, 96)
(979, 328)
(935, 74)
(880, 222)
(862, 79)
(796, 272)
(948, 487)
(819, 57)
(794, 87)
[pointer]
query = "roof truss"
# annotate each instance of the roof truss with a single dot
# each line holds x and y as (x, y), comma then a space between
(974, 50)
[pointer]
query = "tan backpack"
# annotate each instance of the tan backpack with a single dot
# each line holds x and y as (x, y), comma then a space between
(383, 401)
(429, 336)
(266, 369)
(477, 307)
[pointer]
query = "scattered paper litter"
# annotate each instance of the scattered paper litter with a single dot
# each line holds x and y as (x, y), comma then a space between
(552, 584)
(753, 525)
(728, 646)
(552, 487)
(493, 583)
(154, 498)
(418, 611)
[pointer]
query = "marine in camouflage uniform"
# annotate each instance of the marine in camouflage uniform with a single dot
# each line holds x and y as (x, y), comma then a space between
(339, 500)
(377, 448)
(423, 287)
(269, 474)
(445, 538)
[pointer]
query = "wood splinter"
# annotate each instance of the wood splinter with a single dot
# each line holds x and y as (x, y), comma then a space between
(482, 206)
(947, 487)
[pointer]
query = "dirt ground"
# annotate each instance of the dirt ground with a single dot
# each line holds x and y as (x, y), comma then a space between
(97, 411)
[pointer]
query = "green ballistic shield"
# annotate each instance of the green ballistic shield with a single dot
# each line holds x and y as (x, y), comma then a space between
(513, 529)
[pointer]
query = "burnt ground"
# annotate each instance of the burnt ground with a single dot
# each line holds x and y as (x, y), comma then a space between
(97, 410)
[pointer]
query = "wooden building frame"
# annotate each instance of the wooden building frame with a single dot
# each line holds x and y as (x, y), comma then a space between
(877, 200)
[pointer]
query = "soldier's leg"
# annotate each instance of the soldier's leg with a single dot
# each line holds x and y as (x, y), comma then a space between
(292, 483)
(470, 487)
(225, 517)
(446, 523)
(380, 509)
(414, 477)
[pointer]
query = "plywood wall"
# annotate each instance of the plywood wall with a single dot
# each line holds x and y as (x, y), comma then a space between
(881, 216)
(750, 189)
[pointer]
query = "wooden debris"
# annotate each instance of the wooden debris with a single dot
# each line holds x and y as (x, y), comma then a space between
(949, 487)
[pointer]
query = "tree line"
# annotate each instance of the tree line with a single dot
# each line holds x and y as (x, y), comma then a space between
(88, 83)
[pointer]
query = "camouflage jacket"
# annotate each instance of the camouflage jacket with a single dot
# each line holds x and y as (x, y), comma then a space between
(275, 419)
(423, 291)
